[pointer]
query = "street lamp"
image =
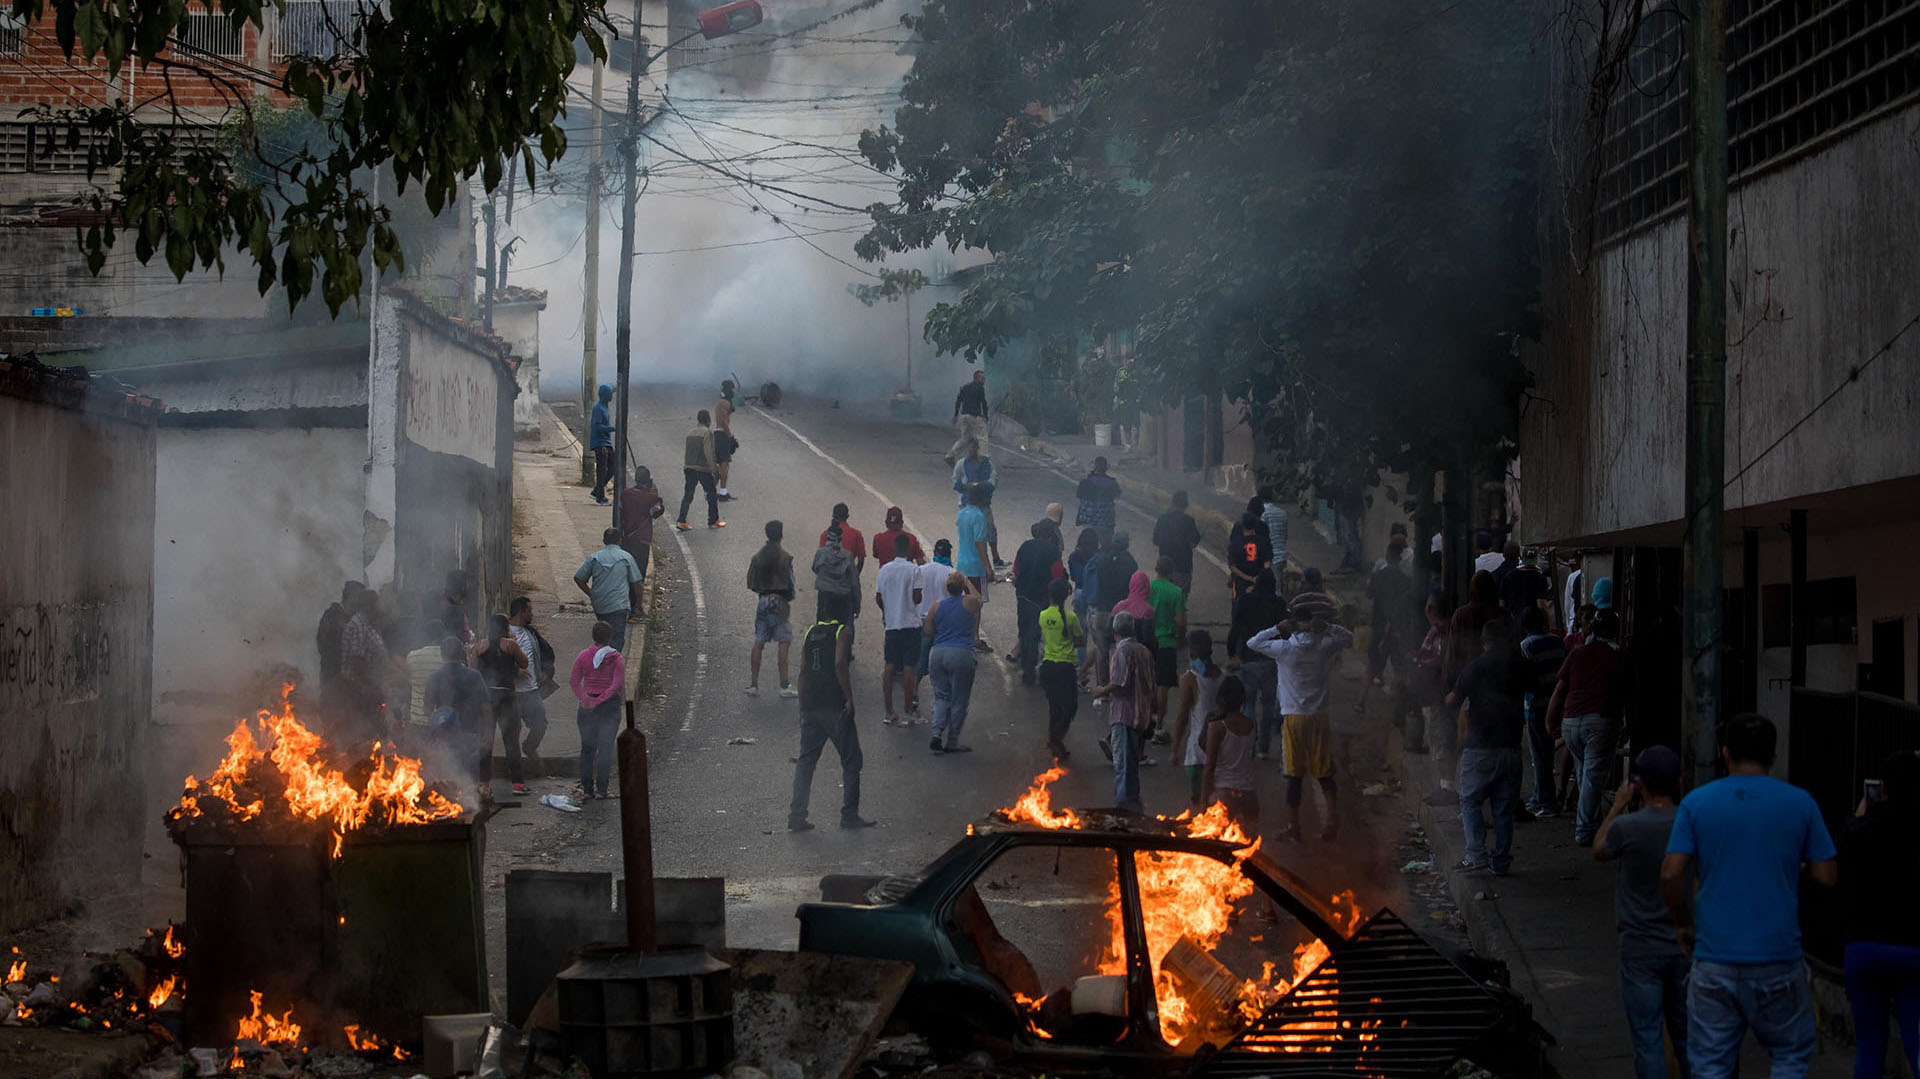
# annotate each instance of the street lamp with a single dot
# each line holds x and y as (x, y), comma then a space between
(715, 23)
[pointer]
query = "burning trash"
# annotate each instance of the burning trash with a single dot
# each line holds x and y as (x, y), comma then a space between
(277, 771)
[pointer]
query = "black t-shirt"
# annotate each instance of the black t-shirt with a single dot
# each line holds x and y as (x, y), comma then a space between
(1880, 875)
(1249, 547)
(1115, 573)
(1255, 609)
(1176, 536)
(820, 689)
(1523, 588)
(1033, 568)
(1494, 686)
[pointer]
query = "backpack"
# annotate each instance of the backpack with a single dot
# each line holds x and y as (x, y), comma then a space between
(543, 663)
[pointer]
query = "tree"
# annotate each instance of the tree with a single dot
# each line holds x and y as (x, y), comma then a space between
(424, 91)
(1321, 208)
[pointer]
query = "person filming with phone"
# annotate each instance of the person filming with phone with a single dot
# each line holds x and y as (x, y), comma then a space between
(1879, 878)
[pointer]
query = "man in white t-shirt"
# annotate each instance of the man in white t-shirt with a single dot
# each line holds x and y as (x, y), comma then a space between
(897, 592)
(1487, 557)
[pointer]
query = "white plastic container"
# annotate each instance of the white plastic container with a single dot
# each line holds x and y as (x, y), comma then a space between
(1103, 434)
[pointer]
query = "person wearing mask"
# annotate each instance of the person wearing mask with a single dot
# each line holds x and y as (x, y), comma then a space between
(1176, 535)
(1653, 967)
(1097, 493)
(834, 578)
(1113, 569)
(1304, 655)
(950, 626)
(1879, 878)
(1227, 777)
(969, 415)
(1199, 685)
(1034, 567)
(1169, 603)
(1139, 606)
(1129, 693)
(498, 658)
(1491, 687)
(1525, 587)
(883, 541)
(826, 715)
(459, 712)
(970, 551)
(724, 444)
(610, 579)
(598, 680)
(700, 466)
(600, 443)
(896, 591)
(1586, 708)
(770, 579)
(1060, 637)
(529, 688)
(1254, 610)
(977, 469)
(1248, 549)
(640, 506)
(1274, 516)
(1545, 653)
(1747, 837)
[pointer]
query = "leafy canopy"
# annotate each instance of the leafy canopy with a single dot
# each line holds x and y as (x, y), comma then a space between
(1322, 208)
(429, 91)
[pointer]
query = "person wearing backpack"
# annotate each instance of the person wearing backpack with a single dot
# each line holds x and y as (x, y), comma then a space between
(499, 660)
(826, 715)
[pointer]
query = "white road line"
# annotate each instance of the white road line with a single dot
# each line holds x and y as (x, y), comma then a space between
(699, 621)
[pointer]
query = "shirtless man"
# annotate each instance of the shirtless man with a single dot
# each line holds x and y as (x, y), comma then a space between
(724, 443)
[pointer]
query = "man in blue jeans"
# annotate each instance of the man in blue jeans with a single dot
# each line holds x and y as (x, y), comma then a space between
(1492, 687)
(1653, 966)
(1129, 694)
(1591, 694)
(1747, 836)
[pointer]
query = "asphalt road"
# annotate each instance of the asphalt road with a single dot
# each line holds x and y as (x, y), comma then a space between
(720, 807)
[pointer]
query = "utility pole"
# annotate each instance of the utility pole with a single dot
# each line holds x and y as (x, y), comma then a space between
(487, 306)
(590, 298)
(1700, 552)
(623, 318)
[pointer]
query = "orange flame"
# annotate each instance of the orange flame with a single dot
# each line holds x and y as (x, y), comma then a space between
(308, 787)
(162, 992)
(1184, 896)
(172, 947)
(265, 1028)
(17, 972)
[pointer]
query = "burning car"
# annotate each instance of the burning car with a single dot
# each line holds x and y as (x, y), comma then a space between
(1091, 940)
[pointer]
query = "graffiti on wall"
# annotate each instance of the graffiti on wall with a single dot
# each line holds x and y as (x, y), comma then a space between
(54, 655)
(452, 400)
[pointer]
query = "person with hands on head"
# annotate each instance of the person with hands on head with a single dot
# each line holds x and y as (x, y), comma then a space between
(1747, 836)
(1227, 777)
(1305, 654)
(1653, 967)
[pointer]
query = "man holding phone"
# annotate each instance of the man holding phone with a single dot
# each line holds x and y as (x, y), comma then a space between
(1653, 966)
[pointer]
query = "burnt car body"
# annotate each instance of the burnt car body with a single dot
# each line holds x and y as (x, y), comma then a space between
(1384, 1003)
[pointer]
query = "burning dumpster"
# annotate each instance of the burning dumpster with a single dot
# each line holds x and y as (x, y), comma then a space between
(335, 893)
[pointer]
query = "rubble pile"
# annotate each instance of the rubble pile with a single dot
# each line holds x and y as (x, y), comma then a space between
(131, 989)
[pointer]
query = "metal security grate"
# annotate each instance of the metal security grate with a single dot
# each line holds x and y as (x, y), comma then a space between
(1386, 1005)
(209, 32)
(322, 28)
(35, 147)
(1797, 70)
(13, 34)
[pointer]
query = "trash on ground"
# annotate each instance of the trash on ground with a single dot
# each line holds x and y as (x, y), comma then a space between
(743, 741)
(560, 802)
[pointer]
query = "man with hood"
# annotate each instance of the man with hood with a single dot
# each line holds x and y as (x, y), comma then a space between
(883, 542)
(700, 467)
(640, 506)
(600, 441)
(1035, 565)
(835, 579)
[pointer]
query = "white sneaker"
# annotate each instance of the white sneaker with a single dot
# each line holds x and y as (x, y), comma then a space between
(752, 690)
(789, 692)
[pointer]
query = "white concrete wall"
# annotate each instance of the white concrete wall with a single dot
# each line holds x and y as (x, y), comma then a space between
(452, 395)
(1823, 255)
(254, 532)
(518, 324)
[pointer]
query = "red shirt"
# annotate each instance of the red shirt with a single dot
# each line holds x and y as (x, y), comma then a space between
(883, 545)
(851, 541)
(638, 507)
(1595, 678)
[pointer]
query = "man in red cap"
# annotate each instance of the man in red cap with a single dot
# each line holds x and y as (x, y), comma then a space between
(896, 527)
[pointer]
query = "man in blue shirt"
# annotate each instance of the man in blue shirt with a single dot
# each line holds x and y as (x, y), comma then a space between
(600, 441)
(970, 548)
(1748, 834)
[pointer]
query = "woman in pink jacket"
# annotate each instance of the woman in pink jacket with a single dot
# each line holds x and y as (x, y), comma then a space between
(599, 680)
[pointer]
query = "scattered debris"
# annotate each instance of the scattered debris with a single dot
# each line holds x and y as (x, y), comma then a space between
(1375, 790)
(560, 802)
(1418, 865)
(743, 741)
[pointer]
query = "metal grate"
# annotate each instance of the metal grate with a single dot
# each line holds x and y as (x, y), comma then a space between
(1386, 1005)
(208, 32)
(35, 147)
(13, 34)
(322, 28)
(1797, 70)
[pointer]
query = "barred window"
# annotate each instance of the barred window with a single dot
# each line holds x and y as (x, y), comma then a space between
(13, 34)
(321, 28)
(29, 146)
(1797, 72)
(208, 32)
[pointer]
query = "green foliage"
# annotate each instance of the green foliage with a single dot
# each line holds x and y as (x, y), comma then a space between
(419, 88)
(894, 285)
(1323, 208)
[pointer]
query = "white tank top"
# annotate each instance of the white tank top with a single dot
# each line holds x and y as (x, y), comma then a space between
(1205, 691)
(1234, 770)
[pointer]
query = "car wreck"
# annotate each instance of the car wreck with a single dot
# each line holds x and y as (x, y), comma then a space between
(1092, 941)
